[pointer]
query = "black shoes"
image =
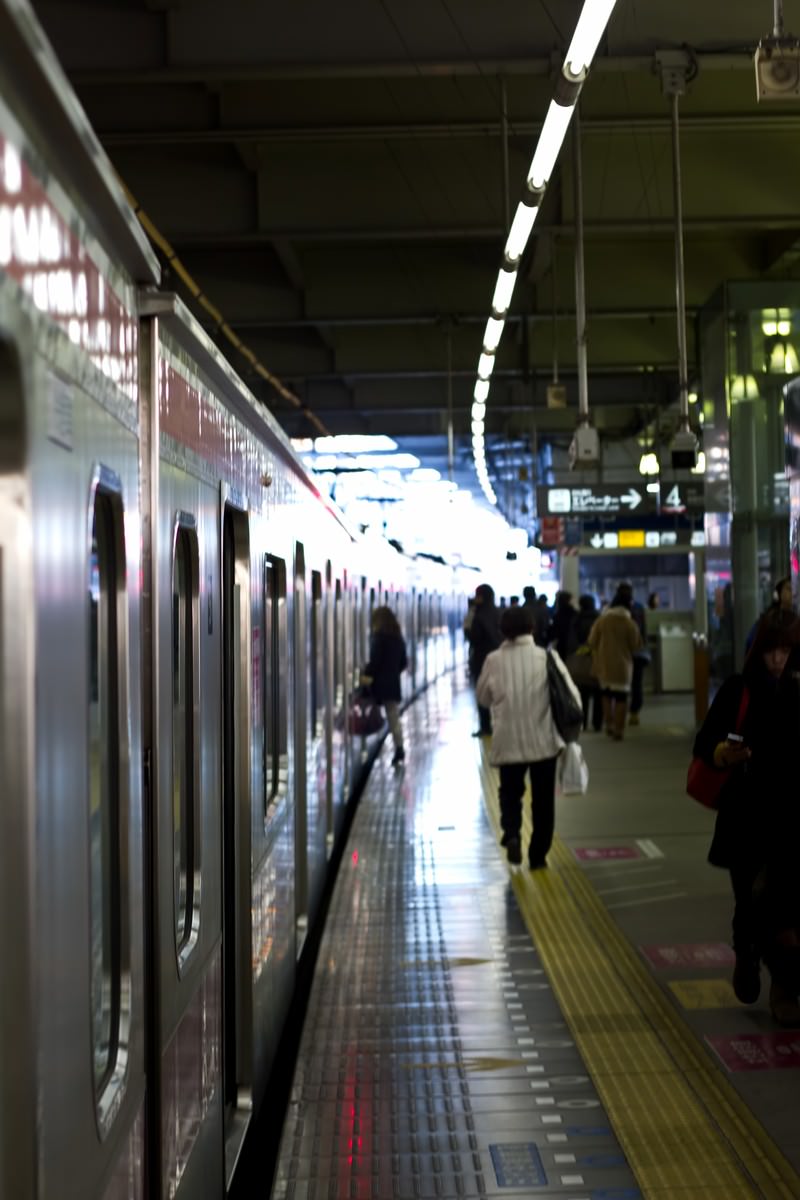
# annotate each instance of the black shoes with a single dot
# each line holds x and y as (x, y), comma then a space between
(537, 865)
(746, 979)
(398, 756)
(514, 851)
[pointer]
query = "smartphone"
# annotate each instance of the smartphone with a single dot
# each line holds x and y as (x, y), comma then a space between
(735, 738)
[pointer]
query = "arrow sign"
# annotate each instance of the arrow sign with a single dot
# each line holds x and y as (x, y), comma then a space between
(596, 540)
(588, 500)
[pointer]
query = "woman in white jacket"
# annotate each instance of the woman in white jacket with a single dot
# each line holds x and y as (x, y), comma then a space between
(513, 683)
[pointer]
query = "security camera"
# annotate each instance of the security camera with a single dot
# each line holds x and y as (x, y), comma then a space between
(777, 63)
(584, 449)
(683, 451)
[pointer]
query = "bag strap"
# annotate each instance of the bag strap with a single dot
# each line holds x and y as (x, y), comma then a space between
(742, 713)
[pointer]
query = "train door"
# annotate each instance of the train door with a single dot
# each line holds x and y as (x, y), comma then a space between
(304, 667)
(237, 1052)
(17, 1059)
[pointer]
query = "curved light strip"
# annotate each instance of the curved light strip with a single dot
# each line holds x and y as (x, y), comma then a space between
(549, 145)
(586, 38)
(591, 25)
(492, 334)
(503, 291)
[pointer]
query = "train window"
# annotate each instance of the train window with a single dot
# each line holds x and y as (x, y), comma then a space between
(338, 649)
(185, 792)
(276, 733)
(316, 665)
(108, 797)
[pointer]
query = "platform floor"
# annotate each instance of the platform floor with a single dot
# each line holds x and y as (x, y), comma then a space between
(476, 1030)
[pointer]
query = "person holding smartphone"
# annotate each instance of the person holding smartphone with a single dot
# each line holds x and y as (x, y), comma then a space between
(748, 732)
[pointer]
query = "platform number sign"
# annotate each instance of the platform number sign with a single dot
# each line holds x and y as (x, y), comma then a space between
(673, 501)
(683, 497)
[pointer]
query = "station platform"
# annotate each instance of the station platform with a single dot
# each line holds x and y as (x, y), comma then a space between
(478, 1030)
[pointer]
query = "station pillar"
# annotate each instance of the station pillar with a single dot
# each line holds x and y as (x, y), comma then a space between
(569, 573)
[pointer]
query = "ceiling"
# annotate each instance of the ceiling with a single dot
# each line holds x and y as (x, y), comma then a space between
(338, 179)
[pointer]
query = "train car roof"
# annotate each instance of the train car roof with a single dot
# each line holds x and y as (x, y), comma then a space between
(34, 85)
(190, 335)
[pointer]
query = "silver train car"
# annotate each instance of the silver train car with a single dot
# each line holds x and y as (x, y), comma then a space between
(182, 619)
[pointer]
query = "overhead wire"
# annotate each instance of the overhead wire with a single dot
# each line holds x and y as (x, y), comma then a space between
(221, 326)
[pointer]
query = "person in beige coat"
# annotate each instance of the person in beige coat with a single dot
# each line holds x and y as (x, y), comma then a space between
(513, 684)
(613, 640)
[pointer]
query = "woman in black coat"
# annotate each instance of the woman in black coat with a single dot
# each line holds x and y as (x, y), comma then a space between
(387, 660)
(482, 631)
(757, 827)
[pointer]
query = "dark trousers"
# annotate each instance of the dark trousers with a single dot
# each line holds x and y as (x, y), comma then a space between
(637, 684)
(746, 937)
(543, 797)
(592, 697)
(484, 719)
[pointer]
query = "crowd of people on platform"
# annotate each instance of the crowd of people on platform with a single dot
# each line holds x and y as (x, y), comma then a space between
(748, 736)
(596, 658)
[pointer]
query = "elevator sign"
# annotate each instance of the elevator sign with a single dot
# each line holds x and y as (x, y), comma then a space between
(610, 500)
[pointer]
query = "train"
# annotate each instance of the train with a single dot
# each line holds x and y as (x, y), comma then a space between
(183, 616)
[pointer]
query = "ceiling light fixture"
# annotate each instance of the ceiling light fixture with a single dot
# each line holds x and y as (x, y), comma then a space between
(591, 25)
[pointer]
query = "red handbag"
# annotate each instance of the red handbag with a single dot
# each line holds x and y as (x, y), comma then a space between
(704, 783)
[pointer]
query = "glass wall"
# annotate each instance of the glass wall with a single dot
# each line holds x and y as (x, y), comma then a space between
(749, 334)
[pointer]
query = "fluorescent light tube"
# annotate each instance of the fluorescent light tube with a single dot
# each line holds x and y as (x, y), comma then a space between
(481, 391)
(478, 411)
(492, 334)
(485, 366)
(591, 26)
(504, 290)
(550, 141)
(520, 231)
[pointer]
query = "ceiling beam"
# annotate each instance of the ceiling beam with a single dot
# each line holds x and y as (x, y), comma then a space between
(640, 63)
(446, 131)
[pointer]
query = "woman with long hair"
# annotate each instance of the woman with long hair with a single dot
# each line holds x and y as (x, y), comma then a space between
(387, 660)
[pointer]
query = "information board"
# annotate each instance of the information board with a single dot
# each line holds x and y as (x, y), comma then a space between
(597, 499)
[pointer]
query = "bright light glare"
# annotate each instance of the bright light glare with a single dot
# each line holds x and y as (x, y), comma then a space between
(478, 411)
(481, 391)
(425, 475)
(520, 230)
(353, 443)
(592, 22)
(485, 366)
(492, 334)
(648, 464)
(550, 141)
(700, 465)
(504, 290)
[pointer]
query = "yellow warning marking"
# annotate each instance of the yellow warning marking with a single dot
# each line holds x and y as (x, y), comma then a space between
(704, 993)
(684, 1129)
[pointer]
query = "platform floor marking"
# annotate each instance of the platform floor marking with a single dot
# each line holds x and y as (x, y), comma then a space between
(694, 1136)
(704, 993)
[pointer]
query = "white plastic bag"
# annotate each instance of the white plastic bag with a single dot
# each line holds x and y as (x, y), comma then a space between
(573, 772)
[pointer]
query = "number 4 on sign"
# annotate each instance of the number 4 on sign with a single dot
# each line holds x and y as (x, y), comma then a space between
(673, 498)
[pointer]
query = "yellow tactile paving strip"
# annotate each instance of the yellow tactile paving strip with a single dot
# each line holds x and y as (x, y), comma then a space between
(685, 1131)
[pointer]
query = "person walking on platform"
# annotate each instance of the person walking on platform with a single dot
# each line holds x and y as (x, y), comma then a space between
(751, 731)
(613, 640)
(641, 658)
(514, 684)
(579, 664)
(387, 660)
(562, 633)
(483, 635)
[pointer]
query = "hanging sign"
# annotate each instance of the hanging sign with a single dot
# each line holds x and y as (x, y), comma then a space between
(597, 499)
